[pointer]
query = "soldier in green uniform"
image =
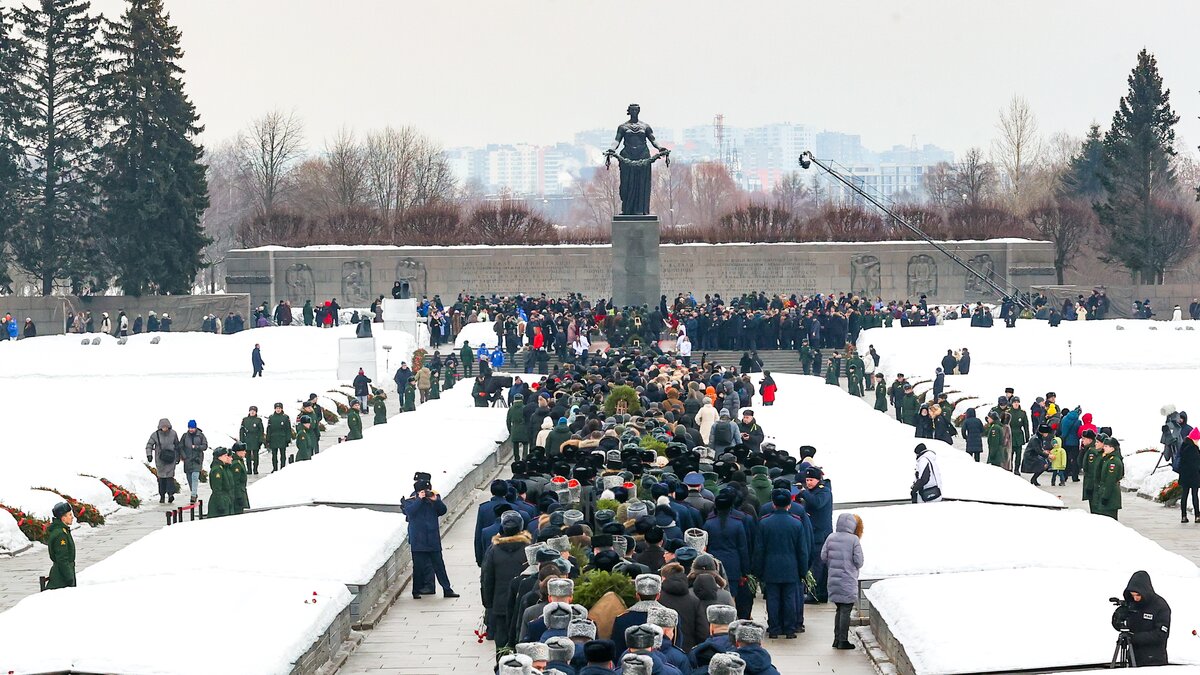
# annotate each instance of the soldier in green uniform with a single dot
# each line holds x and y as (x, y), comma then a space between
(410, 397)
(380, 406)
(354, 421)
(318, 415)
(881, 393)
(304, 439)
(451, 372)
(997, 453)
(237, 469)
(805, 356)
(252, 434)
(909, 406)
(1092, 447)
(468, 357)
(1109, 470)
(435, 389)
(834, 372)
(279, 437)
(61, 546)
(1018, 422)
(896, 393)
(854, 370)
(220, 480)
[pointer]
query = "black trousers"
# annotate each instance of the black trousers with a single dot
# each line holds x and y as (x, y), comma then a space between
(166, 486)
(427, 565)
(278, 458)
(252, 460)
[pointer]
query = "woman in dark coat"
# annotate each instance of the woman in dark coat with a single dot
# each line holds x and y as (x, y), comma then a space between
(693, 621)
(502, 563)
(1189, 475)
(972, 430)
(924, 422)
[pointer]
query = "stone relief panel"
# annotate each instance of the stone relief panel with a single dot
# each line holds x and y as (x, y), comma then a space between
(300, 284)
(356, 284)
(413, 273)
(983, 264)
(865, 278)
(922, 276)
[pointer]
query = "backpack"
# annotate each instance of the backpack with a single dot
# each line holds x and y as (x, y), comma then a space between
(722, 435)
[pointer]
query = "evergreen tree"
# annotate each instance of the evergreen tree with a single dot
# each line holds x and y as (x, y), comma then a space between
(56, 83)
(154, 189)
(1082, 179)
(11, 113)
(1138, 176)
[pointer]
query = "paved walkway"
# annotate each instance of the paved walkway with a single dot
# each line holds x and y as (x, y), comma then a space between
(19, 574)
(435, 634)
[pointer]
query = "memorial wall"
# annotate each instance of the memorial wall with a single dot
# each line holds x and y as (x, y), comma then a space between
(355, 275)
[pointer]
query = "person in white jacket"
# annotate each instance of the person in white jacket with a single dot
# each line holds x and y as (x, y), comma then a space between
(543, 433)
(706, 417)
(684, 345)
(927, 483)
(1177, 314)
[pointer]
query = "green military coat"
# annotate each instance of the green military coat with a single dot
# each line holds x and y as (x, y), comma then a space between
(1109, 470)
(995, 442)
(237, 472)
(221, 481)
(279, 431)
(354, 421)
(881, 396)
(61, 546)
(252, 433)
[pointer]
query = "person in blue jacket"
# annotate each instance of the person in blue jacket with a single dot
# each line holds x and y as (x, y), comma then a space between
(423, 508)
(497, 358)
(486, 515)
(781, 559)
(818, 502)
(729, 543)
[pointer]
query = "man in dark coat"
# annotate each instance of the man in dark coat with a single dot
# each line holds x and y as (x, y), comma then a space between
(881, 393)
(647, 587)
(194, 444)
(964, 362)
(256, 360)
(422, 508)
(729, 542)
(782, 551)
(1149, 620)
(719, 640)
(362, 387)
(972, 433)
(251, 434)
(61, 546)
(949, 363)
(818, 503)
(485, 515)
(502, 563)
(279, 437)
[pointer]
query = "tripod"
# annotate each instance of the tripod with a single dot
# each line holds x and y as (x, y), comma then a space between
(1123, 653)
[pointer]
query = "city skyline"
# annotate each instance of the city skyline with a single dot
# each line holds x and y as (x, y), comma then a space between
(470, 72)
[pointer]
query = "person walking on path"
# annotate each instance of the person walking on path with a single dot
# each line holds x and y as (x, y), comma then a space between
(256, 360)
(195, 444)
(251, 434)
(424, 379)
(380, 406)
(972, 433)
(237, 469)
(354, 422)
(362, 388)
(843, 555)
(279, 437)
(61, 547)
(163, 450)
(221, 481)
(781, 558)
(927, 483)
(1109, 470)
(1189, 475)
(423, 507)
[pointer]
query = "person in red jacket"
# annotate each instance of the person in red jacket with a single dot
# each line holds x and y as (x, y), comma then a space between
(768, 388)
(539, 340)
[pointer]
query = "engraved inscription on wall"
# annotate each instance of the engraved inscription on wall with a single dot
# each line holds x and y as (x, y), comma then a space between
(736, 273)
(501, 273)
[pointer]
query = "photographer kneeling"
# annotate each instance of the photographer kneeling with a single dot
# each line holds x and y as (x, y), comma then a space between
(1147, 617)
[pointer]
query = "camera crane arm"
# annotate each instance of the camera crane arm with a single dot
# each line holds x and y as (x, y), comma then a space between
(807, 160)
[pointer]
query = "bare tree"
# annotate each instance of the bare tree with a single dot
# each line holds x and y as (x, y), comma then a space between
(669, 193)
(268, 153)
(385, 165)
(847, 223)
(597, 200)
(1067, 225)
(791, 192)
(754, 223)
(229, 204)
(509, 222)
(1018, 149)
(347, 175)
(712, 193)
(973, 179)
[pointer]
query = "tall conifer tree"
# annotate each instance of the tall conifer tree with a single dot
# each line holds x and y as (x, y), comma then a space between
(154, 188)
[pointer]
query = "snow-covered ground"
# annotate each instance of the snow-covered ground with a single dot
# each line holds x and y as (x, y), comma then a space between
(480, 332)
(304, 542)
(195, 622)
(1121, 371)
(446, 438)
(868, 456)
(1008, 620)
(78, 409)
(962, 537)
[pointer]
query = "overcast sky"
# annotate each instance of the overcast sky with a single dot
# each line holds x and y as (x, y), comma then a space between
(470, 72)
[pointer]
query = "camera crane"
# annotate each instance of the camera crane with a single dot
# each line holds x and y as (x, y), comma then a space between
(807, 160)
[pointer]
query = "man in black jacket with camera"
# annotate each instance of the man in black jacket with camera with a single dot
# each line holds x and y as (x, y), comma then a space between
(423, 508)
(1147, 617)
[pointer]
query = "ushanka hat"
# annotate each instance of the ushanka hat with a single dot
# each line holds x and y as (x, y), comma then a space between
(636, 664)
(561, 649)
(721, 615)
(750, 632)
(536, 651)
(516, 664)
(582, 628)
(641, 637)
(727, 663)
(557, 616)
(663, 617)
(560, 587)
(648, 584)
(696, 538)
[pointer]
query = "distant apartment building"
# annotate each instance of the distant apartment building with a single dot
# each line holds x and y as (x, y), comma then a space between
(518, 169)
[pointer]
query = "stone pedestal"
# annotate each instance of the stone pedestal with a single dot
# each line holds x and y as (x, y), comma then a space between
(635, 268)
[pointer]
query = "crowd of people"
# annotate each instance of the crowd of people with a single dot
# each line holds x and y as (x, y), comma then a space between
(641, 466)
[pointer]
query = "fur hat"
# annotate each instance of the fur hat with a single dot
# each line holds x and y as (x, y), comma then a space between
(721, 615)
(648, 584)
(749, 632)
(516, 664)
(582, 628)
(557, 616)
(572, 516)
(579, 613)
(603, 517)
(642, 637)
(560, 543)
(696, 538)
(663, 617)
(536, 651)
(511, 523)
(705, 563)
(560, 587)
(60, 509)
(728, 663)
(531, 552)
(637, 509)
(620, 544)
(636, 664)
(561, 649)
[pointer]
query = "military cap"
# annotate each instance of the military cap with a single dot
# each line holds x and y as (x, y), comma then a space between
(728, 663)
(536, 651)
(572, 516)
(663, 617)
(749, 632)
(560, 588)
(599, 651)
(641, 637)
(557, 616)
(560, 648)
(516, 664)
(582, 628)
(648, 584)
(696, 538)
(636, 664)
(721, 615)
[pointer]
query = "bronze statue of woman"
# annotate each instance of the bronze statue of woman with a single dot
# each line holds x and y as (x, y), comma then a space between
(635, 161)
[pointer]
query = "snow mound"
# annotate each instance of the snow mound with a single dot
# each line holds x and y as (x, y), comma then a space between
(11, 537)
(314, 542)
(962, 537)
(926, 615)
(868, 456)
(108, 632)
(480, 332)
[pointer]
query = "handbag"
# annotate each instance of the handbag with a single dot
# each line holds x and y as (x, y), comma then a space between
(930, 494)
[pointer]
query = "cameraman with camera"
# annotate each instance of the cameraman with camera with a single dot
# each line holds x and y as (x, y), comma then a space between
(1144, 621)
(423, 508)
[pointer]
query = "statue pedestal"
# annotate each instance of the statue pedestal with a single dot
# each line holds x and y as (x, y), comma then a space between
(635, 269)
